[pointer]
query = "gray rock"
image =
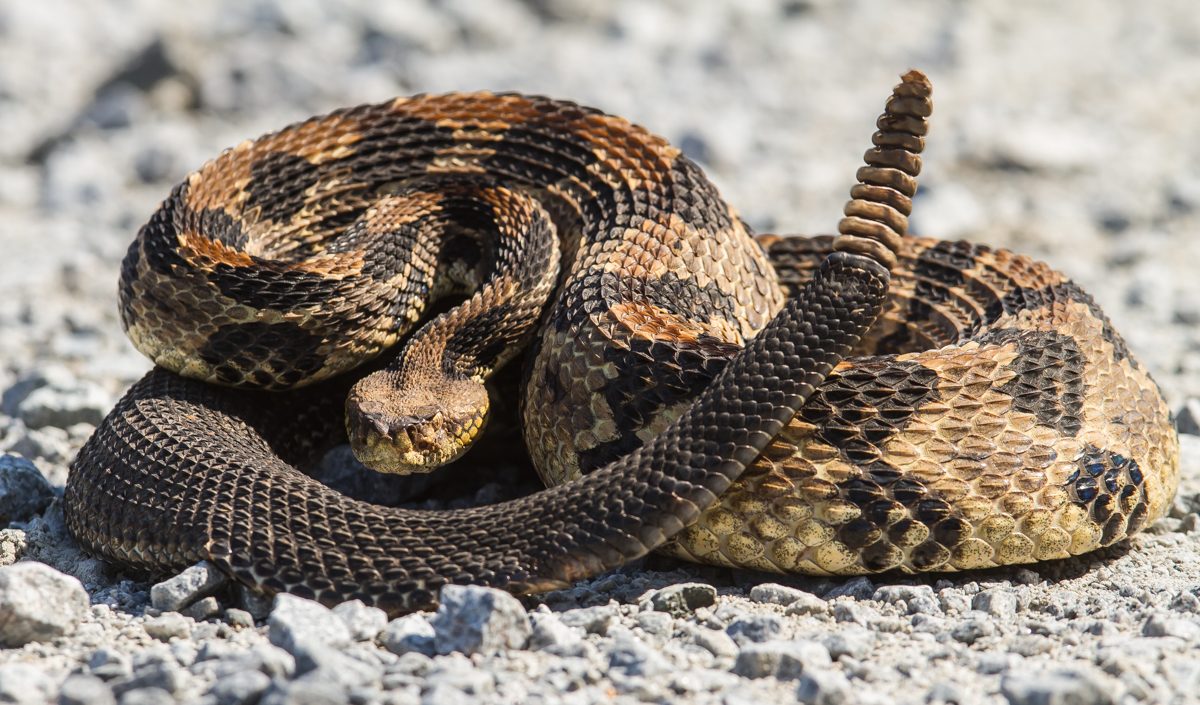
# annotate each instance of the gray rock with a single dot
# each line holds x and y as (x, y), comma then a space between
(38, 603)
(479, 620)
(631, 656)
(167, 626)
(349, 669)
(916, 599)
(240, 688)
(1187, 420)
(823, 688)
(656, 623)
(714, 641)
(809, 604)
(64, 401)
(304, 693)
(24, 491)
(365, 622)
(1159, 624)
(12, 546)
(194, 583)
(150, 695)
(784, 660)
(551, 635)
(257, 605)
(853, 641)
(109, 664)
(202, 609)
(592, 620)
(1062, 686)
(271, 660)
(775, 594)
(973, 629)
(305, 629)
(240, 618)
(24, 684)
(682, 600)
(157, 672)
(755, 628)
(860, 588)
(410, 633)
(83, 689)
(999, 602)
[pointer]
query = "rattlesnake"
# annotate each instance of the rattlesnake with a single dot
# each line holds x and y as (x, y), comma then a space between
(979, 411)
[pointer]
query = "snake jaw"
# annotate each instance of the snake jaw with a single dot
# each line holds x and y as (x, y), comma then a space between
(411, 431)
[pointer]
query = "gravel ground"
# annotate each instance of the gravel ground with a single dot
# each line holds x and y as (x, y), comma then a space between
(1066, 130)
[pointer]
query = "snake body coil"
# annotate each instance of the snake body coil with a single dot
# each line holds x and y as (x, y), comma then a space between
(979, 410)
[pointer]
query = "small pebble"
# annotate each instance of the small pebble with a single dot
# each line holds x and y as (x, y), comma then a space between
(998, 602)
(715, 641)
(631, 656)
(775, 594)
(859, 588)
(755, 628)
(24, 491)
(592, 620)
(478, 620)
(109, 664)
(1062, 686)
(38, 603)
(239, 618)
(916, 599)
(202, 609)
(853, 641)
(1187, 419)
(823, 687)
(24, 684)
(410, 633)
(550, 634)
(365, 622)
(63, 401)
(1166, 625)
(300, 626)
(84, 689)
(240, 688)
(682, 600)
(167, 626)
(194, 583)
(784, 660)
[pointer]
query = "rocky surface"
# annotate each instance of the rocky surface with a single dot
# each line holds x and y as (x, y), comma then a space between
(1066, 130)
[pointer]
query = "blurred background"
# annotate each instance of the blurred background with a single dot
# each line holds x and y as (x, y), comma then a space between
(1067, 130)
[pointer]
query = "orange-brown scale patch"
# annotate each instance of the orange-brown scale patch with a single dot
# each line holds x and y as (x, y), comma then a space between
(205, 253)
(476, 111)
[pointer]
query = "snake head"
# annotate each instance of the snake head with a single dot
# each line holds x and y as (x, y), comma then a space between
(403, 427)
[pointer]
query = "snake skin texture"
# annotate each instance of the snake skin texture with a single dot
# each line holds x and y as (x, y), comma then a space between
(827, 405)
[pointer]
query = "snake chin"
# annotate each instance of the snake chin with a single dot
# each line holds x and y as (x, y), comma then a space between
(413, 431)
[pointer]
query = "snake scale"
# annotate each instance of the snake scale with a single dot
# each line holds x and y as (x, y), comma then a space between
(827, 405)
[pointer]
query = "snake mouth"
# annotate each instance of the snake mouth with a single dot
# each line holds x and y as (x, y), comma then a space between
(411, 443)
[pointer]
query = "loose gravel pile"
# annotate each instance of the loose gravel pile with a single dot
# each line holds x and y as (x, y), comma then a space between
(1065, 130)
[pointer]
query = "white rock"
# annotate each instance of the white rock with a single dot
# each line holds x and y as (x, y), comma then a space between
(473, 619)
(784, 660)
(38, 603)
(194, 583)
(1062, 686)
(297, 625)
(24, 684)
(410, 633)
(365, 622)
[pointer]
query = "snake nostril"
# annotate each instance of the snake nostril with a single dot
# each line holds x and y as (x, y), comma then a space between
(377, 422)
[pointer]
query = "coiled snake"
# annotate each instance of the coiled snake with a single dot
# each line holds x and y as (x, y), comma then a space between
(909, 405)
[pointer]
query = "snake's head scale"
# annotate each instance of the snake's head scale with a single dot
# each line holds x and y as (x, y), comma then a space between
(396, 427)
